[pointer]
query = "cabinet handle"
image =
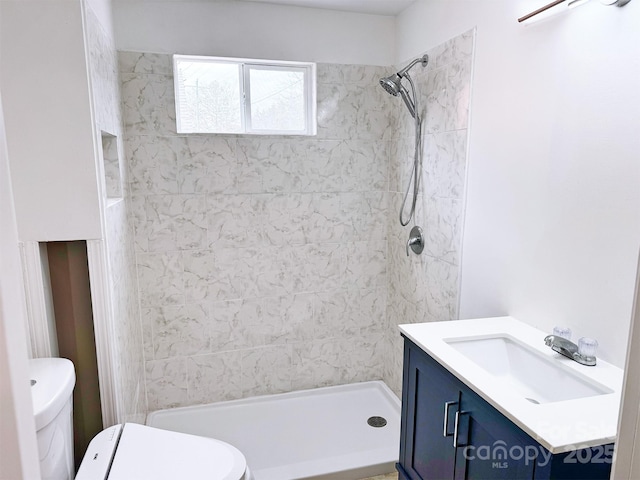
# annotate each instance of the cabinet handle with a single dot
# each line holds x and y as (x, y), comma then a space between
(447, 405)
(455, 427)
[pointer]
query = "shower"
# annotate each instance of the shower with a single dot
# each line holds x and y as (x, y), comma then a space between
(393, 85)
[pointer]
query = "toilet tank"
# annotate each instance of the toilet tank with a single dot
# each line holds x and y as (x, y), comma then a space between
(52, 382)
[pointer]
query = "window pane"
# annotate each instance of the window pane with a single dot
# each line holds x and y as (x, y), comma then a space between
(209, 97)
(277, 99)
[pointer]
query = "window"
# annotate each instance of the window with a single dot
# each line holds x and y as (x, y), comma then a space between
(222, 95)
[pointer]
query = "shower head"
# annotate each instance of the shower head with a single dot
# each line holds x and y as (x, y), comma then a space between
(393, 83)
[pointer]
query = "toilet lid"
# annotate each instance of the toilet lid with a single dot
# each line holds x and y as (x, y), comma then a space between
(151, 453)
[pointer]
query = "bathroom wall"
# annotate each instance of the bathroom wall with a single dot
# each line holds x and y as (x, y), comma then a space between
(261, 260)
(118, 228)
(552, 225)
(224, 224)
(425, 287)
(254, 30)
(54, 140)
(19, 452)
(48, 121)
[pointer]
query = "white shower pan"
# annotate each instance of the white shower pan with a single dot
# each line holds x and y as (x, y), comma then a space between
(322, 434)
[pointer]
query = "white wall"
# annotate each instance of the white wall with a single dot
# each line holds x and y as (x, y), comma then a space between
(553, 203)
(253, 30)
(48, 120)
(18, 455)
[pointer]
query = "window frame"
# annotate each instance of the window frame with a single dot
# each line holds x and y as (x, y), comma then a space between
(245, 66)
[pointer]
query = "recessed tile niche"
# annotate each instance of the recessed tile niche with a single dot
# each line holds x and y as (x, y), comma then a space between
(112, 177)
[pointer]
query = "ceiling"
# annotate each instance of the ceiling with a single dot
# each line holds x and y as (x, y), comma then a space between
(376, 7)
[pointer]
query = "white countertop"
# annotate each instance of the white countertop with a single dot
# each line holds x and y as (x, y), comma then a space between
(559, 426)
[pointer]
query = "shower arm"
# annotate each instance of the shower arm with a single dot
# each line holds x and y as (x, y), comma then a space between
(424, 59)
(412, 105)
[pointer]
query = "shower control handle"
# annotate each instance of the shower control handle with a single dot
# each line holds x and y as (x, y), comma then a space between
(415, 241)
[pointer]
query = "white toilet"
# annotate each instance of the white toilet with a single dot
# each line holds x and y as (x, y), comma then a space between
(121, 452)
(52, 382)
(139, 452)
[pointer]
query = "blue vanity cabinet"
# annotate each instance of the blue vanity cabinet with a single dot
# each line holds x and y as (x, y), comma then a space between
(449, 432)
(426, 449)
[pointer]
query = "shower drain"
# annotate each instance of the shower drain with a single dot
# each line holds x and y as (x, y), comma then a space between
(377, 421)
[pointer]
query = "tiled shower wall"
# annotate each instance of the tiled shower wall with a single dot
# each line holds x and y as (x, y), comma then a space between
(425, 287)
(262, 261)
(127, 343)
(270, 264)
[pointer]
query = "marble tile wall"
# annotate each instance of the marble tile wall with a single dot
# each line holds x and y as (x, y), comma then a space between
(103, 70)
(262, 261)
(269, 264)
(426, 287)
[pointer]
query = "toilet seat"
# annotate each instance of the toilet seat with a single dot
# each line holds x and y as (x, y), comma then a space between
(141, 452)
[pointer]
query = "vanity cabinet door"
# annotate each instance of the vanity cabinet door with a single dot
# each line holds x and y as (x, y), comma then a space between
(489, 446)
(428, 394)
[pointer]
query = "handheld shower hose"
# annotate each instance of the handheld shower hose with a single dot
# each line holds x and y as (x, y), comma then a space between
(393, 85)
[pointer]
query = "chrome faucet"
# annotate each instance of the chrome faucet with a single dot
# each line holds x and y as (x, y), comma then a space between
(569, 349)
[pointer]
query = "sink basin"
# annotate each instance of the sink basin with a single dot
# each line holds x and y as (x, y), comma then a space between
(536, 377)
(506, 362)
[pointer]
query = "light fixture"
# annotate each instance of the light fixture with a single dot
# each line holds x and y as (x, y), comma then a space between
(551, 9)
(570, 3)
